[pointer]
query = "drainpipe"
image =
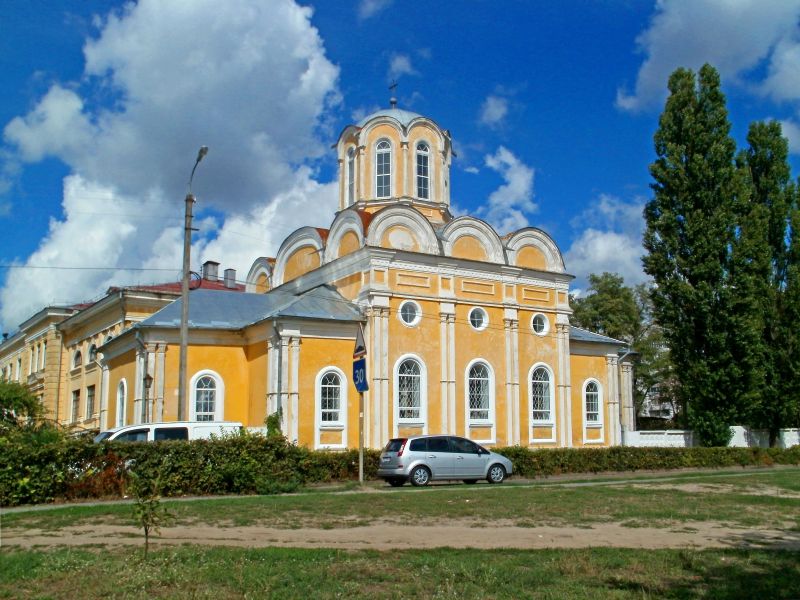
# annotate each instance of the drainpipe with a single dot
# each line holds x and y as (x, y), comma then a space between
(60, 339)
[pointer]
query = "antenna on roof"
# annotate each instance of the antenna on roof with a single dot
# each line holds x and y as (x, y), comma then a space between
(393, 100)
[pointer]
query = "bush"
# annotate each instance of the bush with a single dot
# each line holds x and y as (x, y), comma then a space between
(44, 464)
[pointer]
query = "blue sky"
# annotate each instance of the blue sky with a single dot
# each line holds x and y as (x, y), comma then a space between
(552, 108)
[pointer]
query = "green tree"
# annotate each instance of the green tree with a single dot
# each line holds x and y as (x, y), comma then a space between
(16, 403)
(690, 228)
(766, 324)
(611, 308)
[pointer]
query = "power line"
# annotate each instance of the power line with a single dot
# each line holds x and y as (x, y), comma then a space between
(2, 266)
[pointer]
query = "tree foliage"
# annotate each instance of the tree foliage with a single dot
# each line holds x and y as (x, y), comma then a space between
(16, 403)
(721, 248)
(611, 308)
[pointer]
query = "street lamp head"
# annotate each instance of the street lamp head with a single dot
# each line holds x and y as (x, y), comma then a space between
(202, 152)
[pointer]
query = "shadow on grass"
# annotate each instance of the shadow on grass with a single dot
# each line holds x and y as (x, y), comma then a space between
(732, 574)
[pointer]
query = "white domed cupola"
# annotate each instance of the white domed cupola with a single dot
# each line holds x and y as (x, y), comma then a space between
(395, 156)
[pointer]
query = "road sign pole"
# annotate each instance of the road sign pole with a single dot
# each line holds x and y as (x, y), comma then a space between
(361, 438)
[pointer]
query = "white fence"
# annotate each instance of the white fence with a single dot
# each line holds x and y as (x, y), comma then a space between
(743, 437)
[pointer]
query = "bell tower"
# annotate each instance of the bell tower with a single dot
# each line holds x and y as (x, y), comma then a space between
(395, 156)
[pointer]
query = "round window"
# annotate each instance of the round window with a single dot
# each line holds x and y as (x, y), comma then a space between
(478, 318)
(410, 313)
(540, 324)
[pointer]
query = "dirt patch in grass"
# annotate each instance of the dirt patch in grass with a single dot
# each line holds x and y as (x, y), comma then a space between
(387, 536)
(720, 488)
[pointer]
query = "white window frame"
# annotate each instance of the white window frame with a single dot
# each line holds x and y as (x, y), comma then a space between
(350, 181)
(341, 424)
(429, 179)
(482, 310)
(422, 420)
(122, 402)
(546, 329)
(600, 422)
(91, 406)
(77, 359)
(219, 399)
(75, 406)
(542, 423)
(390, 152)
(416, 320)
(468, 420)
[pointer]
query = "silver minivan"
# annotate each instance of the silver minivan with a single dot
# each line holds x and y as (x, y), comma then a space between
(423, 458)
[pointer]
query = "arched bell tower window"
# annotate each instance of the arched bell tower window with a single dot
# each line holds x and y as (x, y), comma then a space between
(351, 176)
(423, 171)
(383, 169)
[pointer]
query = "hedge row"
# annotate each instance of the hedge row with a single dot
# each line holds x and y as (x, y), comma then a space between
(42, 467)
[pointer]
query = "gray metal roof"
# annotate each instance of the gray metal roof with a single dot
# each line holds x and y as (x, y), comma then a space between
(212, 309)
(404, 116)
(576, 334)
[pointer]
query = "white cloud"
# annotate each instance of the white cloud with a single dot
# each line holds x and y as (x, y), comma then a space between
(735, 37)
(472, 170)
(254, 89)
(511, 202)
(369, 8)
(791, 131)
(399, 65)
(609, 239)
(493, 110)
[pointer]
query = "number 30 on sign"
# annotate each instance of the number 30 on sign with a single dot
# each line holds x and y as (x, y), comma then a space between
(360, 374)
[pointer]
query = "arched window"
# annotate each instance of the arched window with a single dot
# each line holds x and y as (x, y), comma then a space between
(591, 403)
(541, 395)
(383, 169)
(77, 359)
(423, 171)
(208, 397)
(330, 399)
(92, 353)
(409, 390)
(122, 401)
(351, 176)
(479, 393)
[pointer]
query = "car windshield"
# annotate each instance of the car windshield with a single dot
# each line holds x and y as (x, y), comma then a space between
(101, 436)
(394, 445)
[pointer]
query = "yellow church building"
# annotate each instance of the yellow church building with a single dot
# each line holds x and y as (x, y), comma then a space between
(466, 329)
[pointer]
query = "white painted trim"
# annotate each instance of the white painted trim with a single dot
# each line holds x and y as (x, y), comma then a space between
(485, 318)
(600, 423)
(423, 395)
(480, 423)
(531, 236)
(219, 399)
(483, 232)
(392, 167)
(551, 422)
(408, 216)
(431, 154)
(418, 318)
(341, 424)
(546, 329)
(123, 383)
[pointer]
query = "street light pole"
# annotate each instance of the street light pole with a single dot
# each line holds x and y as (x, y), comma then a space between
(187, 247)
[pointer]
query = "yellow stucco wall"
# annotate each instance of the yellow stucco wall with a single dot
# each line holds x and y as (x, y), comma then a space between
(301, 261)
(583, 368)
(401, 238)
(348, 244)
(123, 367)
(256, 356)
(317, 354)
(470, 247)
(262, 283)
(532, 258)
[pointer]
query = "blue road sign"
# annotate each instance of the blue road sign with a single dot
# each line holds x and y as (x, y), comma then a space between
(360, 374)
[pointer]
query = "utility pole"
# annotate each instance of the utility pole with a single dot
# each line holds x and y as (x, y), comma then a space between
(187, 248)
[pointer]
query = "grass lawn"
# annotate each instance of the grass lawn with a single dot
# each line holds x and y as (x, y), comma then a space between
(652, 500)
(755, 499)
(197, 572)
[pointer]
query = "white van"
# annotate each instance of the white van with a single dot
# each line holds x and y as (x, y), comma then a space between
(176, 430)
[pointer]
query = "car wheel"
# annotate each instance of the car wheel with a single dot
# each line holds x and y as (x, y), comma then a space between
(420, 476)
(398, 482)
(496, 474)
(470, 481)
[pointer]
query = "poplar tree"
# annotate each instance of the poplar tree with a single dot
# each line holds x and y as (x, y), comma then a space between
(690, 229)
(763, 255)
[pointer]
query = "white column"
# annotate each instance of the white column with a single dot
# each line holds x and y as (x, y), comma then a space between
(384, 362)
(406, 176)
(511, 327)
(451, 369)
(612, 375)
(443, 357)
(294, 387)
(104, 397)
(628, 410)
(564, 382)
(447, 312)
(283, 392)
(362, 190)
(272, 376)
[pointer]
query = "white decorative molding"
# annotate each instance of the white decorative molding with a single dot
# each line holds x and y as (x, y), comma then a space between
(531, 236)
(346, 220)
(408, 216)
(470, 226)
(261, 266)
(300, 238)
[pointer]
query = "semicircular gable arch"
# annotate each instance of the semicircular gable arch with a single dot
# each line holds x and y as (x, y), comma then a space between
(259, 276)
(531, 237)
(483, 232)
(403, 217)
(305, 237)
(345, 222)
